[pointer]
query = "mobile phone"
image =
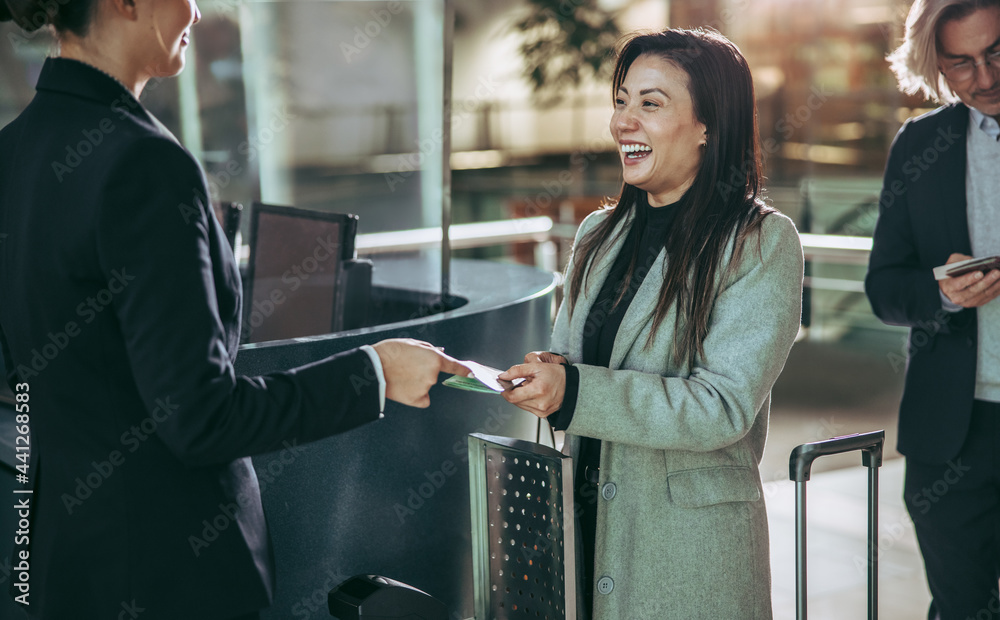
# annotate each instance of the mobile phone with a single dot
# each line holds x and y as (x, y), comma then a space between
(963, 267)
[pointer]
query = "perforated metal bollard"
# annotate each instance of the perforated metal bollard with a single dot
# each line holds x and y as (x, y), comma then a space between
(522, 530)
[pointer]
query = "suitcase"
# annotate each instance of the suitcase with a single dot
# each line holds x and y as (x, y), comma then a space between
(799, 466)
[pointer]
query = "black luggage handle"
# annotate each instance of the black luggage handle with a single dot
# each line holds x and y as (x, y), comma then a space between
(801, 460)
(799, 467)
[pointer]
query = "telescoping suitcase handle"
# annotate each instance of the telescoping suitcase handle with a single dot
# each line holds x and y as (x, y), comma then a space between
(799, 467)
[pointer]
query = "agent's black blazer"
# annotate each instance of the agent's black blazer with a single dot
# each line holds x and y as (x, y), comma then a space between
(922, 220)
(120, 309)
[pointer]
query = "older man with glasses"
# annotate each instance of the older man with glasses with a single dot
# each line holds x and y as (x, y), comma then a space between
(940, 204)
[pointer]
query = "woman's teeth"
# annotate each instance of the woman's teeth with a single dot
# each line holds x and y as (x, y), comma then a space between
(635, 150)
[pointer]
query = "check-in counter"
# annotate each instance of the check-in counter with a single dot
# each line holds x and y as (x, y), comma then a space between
(392, 497)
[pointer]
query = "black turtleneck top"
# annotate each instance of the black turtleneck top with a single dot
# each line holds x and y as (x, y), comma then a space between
(603, 321)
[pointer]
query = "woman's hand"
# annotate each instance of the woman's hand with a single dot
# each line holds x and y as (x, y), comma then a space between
(411, 368)
(543, 388)
(544, 357)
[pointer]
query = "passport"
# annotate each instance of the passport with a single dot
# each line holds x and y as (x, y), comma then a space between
(484, 379)
(962, 267)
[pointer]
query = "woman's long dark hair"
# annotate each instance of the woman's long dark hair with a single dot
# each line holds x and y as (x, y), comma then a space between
(724, 201)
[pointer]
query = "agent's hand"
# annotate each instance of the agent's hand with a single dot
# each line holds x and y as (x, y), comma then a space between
(972, 289)
(543, 388)
(411, 367)
(543, 357)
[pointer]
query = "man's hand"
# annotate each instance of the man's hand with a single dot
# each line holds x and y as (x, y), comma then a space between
(543, 357)
(543, 388)
(972, 289)
(411, 367)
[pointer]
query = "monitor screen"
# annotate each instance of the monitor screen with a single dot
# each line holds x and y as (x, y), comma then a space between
(294, 272)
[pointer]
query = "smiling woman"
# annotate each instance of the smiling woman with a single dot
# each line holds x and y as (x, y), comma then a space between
(654, 109)
(683, 301)
(693, 109)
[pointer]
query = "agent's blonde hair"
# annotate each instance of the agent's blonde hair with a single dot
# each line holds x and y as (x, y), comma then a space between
(915, 62)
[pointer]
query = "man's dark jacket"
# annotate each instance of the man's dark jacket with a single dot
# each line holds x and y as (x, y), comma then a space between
(922, 221)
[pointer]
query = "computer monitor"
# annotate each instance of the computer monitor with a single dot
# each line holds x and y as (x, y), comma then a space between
(294, 281)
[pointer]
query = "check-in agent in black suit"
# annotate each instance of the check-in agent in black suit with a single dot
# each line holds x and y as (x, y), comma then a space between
(121, 308)
(947, 437)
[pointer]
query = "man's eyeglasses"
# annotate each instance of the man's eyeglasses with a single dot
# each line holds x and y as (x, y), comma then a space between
(965, 69)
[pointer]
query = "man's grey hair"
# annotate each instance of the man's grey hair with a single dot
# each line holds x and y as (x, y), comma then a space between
(915, 62)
